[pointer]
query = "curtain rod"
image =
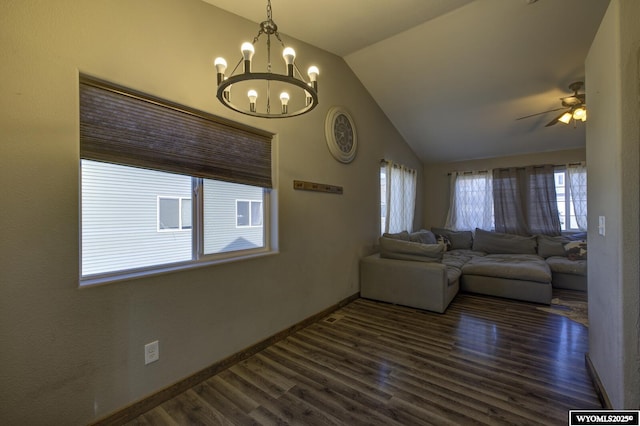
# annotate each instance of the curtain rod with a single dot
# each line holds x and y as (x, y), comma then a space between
(468, 172)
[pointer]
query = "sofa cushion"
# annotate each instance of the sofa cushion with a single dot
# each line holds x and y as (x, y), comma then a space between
(459, 239)
(453, 259)
(551, 246)
(392, 248)
(423, 236)
(525, 267)
(562, 265)
(404, 235)
(576, 250)
(499, 243)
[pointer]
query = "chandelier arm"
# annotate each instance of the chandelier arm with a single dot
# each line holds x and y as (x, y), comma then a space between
(237, 65)
(300, 75)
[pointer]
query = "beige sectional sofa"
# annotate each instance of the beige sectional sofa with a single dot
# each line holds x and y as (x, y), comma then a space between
(426, 269)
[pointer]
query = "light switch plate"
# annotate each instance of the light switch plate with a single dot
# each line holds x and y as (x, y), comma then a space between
(601, 225)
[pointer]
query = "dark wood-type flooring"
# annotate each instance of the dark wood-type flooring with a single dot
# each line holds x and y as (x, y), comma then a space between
(485, 361)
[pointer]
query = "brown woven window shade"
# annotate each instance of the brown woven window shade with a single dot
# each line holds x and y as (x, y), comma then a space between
(123, 126)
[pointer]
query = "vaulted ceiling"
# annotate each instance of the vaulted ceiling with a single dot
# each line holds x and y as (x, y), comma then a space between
(454, 75)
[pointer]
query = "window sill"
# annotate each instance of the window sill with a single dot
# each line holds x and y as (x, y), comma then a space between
(101, 279)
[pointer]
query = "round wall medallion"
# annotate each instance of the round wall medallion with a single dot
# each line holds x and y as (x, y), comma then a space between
(340, 131)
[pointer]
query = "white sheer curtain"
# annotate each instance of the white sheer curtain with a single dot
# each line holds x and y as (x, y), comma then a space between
(577, 177)
(400, 197)
(471, 201)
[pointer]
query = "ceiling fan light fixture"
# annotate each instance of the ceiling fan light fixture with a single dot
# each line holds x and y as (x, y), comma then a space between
(580, 114)
(300, 96)
(566, 117)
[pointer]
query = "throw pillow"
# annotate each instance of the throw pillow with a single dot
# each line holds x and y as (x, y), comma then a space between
(423, 236)
(446, 243)
(576, 250)
(459, 239)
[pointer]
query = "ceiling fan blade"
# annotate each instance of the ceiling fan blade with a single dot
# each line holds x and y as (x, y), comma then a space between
(555, 120)
(540, 113)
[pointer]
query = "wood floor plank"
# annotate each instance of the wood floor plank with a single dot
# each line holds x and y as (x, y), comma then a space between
(322, 395)
(155, 417)
(486, 361)
(223, 404)
(188, 409)
(239, 398)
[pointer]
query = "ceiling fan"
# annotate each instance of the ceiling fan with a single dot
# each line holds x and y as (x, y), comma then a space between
(574, 107)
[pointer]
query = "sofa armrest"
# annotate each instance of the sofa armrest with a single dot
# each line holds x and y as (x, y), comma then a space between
(422, 285)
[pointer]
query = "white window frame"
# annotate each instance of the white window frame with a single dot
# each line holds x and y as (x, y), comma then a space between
(181, 200)
(199, 258)
(251, 202)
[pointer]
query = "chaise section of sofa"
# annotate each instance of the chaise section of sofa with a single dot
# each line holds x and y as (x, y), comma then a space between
(524, 277)
(423, 285)
(511, 268)
(409, 271)
(567, 258)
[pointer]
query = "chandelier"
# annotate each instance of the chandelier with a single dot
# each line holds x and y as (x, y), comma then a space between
(251, 92)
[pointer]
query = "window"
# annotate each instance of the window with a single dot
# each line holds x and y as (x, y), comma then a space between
(397, 197)
(160, 189)
(571, 190)
(471, 204)
(174, 214)
(248, 213)
(472, 199)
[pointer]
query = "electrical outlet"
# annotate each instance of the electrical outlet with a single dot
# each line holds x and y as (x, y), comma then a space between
(151, 352)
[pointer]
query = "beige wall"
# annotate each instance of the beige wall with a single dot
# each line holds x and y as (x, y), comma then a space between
(437, 182)
(613, 139)
(71, 356)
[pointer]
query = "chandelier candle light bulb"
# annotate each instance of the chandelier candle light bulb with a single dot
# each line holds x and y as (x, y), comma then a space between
(284, 98)
(247, 54)
(221, 67)
(289, 56)
(298, 96)
(253, 96)
(313, 73)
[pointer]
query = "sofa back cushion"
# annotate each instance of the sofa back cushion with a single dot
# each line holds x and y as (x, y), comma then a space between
(459, 239)
(499, 243)
(423, 236)
(392, 248)
(403, 235)
(551, 246)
